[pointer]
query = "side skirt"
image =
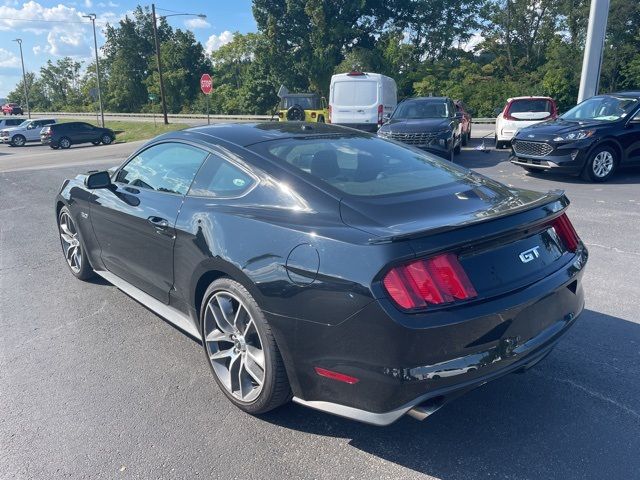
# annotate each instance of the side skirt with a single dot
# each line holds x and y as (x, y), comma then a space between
(170, 314)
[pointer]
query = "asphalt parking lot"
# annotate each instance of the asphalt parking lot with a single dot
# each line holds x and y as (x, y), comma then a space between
(93, 385)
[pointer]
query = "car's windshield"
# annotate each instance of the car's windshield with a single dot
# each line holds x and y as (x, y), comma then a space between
(362, 166)
(606, 108)
(25, 123)
(307, 103)
(422, 109)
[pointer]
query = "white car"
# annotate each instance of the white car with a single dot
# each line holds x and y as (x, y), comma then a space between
(27, 131)
(361, 100)
(520, 112)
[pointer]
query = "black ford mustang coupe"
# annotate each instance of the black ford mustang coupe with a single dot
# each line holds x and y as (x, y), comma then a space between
(360, 276)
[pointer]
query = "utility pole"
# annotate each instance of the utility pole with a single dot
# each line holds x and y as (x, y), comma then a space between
(593, 49)
(92, 17)
(157, 42)
(155, 36)
(24, 78)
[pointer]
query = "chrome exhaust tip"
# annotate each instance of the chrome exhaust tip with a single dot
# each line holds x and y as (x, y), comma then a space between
(425, 409)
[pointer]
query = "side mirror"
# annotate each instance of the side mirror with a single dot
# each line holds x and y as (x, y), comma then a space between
(98, 180)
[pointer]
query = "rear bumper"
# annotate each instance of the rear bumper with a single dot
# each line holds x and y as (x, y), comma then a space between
(413, 363)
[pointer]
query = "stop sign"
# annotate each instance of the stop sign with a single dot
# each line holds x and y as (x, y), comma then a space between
(206, 83)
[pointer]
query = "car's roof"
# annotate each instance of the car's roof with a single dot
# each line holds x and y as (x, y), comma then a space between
(530, 97)
(630, 93)
(438, 99)
(244, 134)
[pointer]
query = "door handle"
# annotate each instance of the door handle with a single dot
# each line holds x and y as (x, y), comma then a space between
(158, 222)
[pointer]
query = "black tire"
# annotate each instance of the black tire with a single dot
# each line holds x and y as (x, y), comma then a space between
(106, 139)
(295, 113)
(499, 144)
(64, 143)
(18, 141)
(96, 142)
(54, 147)
(275, 388)
(594, 171)
(84, 272)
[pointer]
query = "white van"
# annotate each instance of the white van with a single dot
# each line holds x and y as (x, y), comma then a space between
(361, 100)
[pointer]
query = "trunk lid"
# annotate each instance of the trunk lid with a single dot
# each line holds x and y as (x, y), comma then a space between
(504, 238)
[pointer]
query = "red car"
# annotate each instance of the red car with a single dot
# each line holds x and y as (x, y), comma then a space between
(465, 121)
(12, 109)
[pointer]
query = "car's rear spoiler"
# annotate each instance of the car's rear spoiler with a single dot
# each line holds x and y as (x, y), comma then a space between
(555, 200)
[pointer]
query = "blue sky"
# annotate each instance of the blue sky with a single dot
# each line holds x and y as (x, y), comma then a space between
(55, 39)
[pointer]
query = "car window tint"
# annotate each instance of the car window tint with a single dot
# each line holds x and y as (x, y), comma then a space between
(220, 178)
(167, 167)
(533, 105)
(362, 166)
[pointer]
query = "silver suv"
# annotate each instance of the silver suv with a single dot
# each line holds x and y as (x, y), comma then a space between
(27, 131)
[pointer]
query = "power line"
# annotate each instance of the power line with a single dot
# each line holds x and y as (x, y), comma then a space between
(43, 21)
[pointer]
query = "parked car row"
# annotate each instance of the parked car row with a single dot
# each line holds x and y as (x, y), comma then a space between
(49, 132)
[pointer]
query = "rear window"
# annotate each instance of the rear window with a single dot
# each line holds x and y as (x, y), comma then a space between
(362, 166)
(355, 93)
(307, 103)
(531, 105)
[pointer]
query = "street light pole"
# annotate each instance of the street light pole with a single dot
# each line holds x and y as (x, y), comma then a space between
(155, 36)
(157, 42)
(92, 17)
(24, 78)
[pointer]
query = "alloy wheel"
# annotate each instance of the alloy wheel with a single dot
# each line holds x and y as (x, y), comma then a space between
(234, 346)
(602, 164)
(19, 141)
(64, 143)
(70, 243)
(106, 139)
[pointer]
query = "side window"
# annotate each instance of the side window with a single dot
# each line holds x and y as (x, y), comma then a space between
(166, 167)
(219, 178)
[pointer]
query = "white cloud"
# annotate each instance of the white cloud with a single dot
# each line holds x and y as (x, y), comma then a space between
(68, 44)
(88, 3)
(475, 40)
(214, 42)
(62, 39)
(8, 59)
(194, 23)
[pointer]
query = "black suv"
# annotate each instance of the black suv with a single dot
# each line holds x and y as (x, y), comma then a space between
(592, 139)
(63, 135)
(429, 123)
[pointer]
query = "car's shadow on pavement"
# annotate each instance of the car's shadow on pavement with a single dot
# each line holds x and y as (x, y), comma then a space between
(575, 415)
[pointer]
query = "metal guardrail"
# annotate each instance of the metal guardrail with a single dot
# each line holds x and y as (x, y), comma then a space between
(177, 116)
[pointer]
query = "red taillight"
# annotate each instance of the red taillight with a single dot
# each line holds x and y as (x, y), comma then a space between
(380, 114)
(566, 232)
(341, 377)
(431, 281)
